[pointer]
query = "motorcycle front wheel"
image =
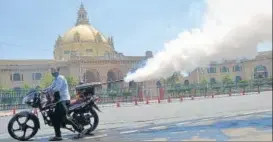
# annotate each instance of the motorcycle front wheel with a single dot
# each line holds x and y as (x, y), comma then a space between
(24, 126)
(95, 122)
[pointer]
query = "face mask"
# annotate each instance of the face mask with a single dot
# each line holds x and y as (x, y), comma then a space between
(55, 74)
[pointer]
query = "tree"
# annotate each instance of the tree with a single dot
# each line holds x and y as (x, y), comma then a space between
(203, 86)
(173, 79)
(226, 79)
(26, 86)
(258, 82)
(269, 81)
(127, 93)
(217, 87)
(228, 83)
(243, 84)
(112, 93)
(182, 89)
(2, 87)
(71, 81)
(46, 80)
(171, 90)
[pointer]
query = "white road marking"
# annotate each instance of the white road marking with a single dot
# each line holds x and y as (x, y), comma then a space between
(158, 139)
(127, 132)
(158, 128)
(98, 136)
(183, 123)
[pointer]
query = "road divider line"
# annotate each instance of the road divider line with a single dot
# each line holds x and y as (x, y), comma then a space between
(159, 128)
(128, 132)
(98, 136)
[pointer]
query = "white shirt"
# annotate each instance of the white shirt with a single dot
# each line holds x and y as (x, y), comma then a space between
(60, 84)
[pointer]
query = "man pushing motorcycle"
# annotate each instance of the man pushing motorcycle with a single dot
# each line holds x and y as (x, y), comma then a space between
(60, 91)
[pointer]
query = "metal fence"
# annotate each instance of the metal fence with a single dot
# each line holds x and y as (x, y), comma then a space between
(12, 99)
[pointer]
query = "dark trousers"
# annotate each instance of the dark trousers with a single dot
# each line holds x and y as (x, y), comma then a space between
(59, 116)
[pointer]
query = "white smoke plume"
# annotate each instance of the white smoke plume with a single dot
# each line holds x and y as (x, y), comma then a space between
(231, 29)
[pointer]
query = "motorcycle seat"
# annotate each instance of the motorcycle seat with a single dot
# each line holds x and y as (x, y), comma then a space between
(75, 105)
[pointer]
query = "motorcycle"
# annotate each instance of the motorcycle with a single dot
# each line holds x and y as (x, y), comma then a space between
(81, 112)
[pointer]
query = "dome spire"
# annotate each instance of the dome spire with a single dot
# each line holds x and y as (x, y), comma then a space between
(82, 16)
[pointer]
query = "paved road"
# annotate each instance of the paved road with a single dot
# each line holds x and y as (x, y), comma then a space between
(142, 122)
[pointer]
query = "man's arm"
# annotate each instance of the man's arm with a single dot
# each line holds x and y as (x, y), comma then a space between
(49, 87)
(57, 85)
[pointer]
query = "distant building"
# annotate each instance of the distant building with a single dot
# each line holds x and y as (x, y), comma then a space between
(259, 67)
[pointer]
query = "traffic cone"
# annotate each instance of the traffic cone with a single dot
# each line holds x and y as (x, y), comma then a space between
(212, 96)
(147, 100)
(192, 98)
(118, 104)
(229, 94)
(158, 100)
(181, 99)
(169, 99)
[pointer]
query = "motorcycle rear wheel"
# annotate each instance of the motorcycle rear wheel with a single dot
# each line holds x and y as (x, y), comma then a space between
(22, 127)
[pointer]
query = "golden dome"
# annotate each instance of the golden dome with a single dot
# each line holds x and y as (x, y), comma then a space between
(83, 39)
(83, 32)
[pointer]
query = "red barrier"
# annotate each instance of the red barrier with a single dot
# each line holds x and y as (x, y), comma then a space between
(140, 94)
(161, 93)
(118, 104)
(98, 100)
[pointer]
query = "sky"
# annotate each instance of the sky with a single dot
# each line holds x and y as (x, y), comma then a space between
(29, 28)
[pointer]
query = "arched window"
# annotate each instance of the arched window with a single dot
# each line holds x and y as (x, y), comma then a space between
(260, 68)
(224, 69)
(36, 76)
(237, 68)
(260, 71)
(186, 82)
(17, 77)
(132, 85)
(212, 70)
(238, 79)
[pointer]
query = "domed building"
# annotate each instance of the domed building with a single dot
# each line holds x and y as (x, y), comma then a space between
(81, 52)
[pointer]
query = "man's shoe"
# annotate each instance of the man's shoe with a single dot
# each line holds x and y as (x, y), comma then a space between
(55, 139)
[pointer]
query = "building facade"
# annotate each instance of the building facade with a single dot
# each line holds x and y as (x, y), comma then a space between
(86, 54)
(259, 67)
(82, 52)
